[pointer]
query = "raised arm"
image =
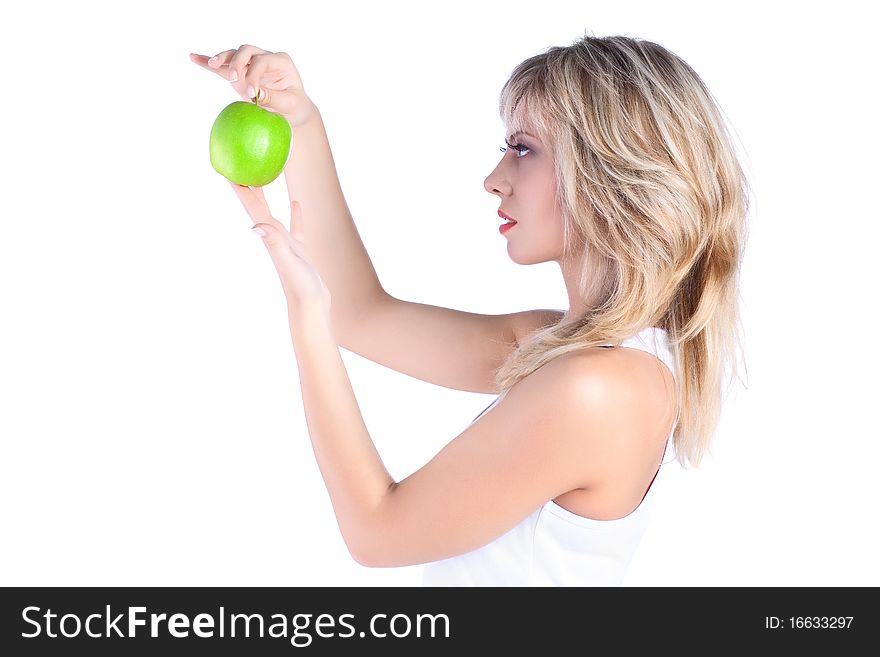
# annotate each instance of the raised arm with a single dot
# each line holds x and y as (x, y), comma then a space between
(331, 236)
(444, 346)
(334, 245)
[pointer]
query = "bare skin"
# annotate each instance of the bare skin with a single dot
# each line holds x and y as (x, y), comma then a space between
(524, 181)
(585, 430)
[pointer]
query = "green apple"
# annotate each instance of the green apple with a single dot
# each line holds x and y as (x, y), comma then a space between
(249, 145)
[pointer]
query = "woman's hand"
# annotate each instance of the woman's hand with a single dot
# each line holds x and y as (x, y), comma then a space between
(302, 284)
(270, 77)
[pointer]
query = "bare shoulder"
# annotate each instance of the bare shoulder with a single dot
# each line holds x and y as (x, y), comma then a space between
(594, 377)
(628, 370)
(633, 382)
(617, 406)
(629, 385)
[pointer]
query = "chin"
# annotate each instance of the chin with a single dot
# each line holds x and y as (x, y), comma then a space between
(528, 258)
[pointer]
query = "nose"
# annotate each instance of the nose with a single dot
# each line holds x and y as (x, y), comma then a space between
(496, 183)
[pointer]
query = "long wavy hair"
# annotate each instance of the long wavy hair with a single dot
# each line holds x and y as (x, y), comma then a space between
(651, 188)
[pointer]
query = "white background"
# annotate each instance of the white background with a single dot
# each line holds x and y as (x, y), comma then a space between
(150, 414)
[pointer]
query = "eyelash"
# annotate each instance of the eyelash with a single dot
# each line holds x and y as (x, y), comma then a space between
(519, 148)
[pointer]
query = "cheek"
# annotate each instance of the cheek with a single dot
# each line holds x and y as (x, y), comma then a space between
(540, 196)
(552, 230)
(550, 215)
(543, 237)
(539, 205)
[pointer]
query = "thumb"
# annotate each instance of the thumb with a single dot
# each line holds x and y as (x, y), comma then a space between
(277, 243)
(273, 238)
(278, 246)
(289, 102)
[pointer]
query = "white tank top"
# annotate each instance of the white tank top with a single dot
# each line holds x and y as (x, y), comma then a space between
(553, 546)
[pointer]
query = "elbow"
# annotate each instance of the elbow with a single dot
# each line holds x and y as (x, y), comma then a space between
(357, 550)
(373, 561)
(390, 553)
(362, 557)
(374, 551)
(374, 544)
(370, 554)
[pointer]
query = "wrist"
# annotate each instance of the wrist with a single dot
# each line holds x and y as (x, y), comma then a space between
(308, 313)
(310, 329)
(306, 114)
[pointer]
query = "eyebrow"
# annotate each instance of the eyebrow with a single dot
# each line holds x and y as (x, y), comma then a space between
(522, 132)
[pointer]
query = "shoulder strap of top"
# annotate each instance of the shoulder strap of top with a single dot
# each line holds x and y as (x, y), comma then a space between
(653, 340)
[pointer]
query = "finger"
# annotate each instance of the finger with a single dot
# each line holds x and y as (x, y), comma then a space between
(258, 193)
(215, 64)
(218, 67)
(254, 203)
(238, 64)
(285, 252)
(255, 75)
(221, 58)
(281, 254)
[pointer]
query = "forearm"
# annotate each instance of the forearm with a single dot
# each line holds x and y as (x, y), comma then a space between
(353, 471)
(331, 237)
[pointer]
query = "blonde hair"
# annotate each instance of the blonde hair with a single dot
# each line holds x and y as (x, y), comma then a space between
(649, 184)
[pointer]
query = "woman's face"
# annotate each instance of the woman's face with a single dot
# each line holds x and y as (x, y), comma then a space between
(525, 183)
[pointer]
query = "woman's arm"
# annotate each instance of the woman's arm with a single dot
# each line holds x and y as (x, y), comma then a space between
(353, 471)
(331, 236)
(553, 432)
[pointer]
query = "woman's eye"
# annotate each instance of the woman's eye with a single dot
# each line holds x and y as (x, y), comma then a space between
(520, 149)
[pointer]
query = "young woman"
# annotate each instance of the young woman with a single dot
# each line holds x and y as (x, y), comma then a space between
(618, 166)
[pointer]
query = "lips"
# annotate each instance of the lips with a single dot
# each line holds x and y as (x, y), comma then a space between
(504, 216)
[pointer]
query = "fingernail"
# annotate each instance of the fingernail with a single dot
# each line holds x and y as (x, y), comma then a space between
(233, 76)
(213, 60)
(250, 92)
(259, 231)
